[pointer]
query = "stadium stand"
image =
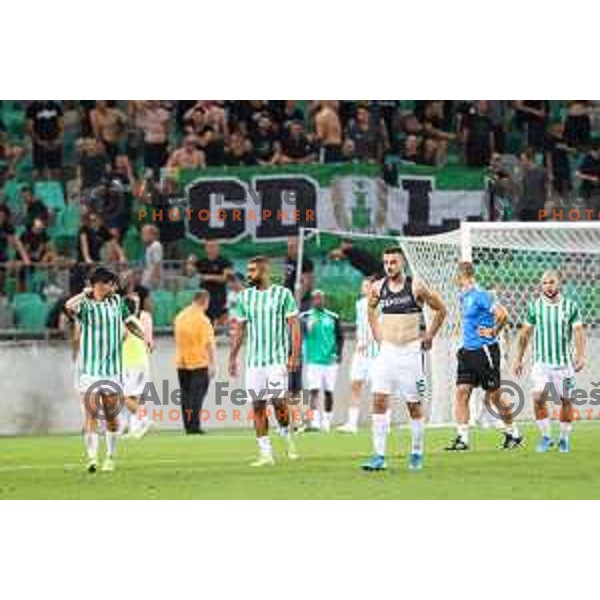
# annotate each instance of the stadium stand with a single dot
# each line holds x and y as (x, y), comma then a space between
(140, 145)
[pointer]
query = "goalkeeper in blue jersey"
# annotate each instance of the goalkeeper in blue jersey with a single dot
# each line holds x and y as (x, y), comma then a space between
(322, 352)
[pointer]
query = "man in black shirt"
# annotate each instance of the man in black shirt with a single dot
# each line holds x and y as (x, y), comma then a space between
(534, 187)
(533, 115)
(360, 259)
(45, 126)
(215, 272)
(589, 174)
(34, 207)
(557, 160)
(264, 141)
(478, 132)
(296, 147)
(8, 238)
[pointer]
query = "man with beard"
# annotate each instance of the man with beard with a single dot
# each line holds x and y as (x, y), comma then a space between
(266, 311)
(395, 315)
(556, 321)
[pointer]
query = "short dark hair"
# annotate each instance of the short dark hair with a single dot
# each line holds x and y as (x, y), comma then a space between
(260, 260)
(102, 275)
(394, 250)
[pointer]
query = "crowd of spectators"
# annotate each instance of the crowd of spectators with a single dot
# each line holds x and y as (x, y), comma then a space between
(104, 152)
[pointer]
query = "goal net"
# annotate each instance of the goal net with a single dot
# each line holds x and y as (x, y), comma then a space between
(509, 260)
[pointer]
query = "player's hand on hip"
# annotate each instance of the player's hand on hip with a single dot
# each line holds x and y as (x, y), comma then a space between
(518, 368)
(426, 341)
(487, 332)
(293, 363)
(579, 364)
(233, 368)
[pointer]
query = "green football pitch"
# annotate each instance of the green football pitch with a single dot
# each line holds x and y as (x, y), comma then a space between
(172, 466)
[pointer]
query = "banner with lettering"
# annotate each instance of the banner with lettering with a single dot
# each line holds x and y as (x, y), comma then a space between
(271, 203)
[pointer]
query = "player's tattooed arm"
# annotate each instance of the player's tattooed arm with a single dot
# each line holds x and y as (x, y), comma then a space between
(237, 337)
(580, 343)
(524, 337)
(373, 315)
(432, 299)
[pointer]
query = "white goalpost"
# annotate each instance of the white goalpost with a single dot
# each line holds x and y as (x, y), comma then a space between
(509, 260)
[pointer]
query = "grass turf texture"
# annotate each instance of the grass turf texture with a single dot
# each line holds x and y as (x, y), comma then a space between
(172, 466)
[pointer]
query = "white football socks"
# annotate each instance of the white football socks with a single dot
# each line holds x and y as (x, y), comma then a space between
(565, 430)
(463, 433)
(353, 415)
(544, 426)
(111, 443)
(379, 429)
(91, 444)
(417, 427)
(264, 443)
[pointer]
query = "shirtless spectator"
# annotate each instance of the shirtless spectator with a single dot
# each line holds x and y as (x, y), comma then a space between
(436, 131)
(329, 131)
(188, 156)
(109, 125)
(155, 125)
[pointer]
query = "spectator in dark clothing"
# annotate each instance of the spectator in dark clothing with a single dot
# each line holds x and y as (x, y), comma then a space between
(369, 136)
(557, 159)
(589, 175)
(45, 126)
(35, 241)
(215, 271)
(533, 116)
(478, 135)
(291, 268)
(34, 207)
(578, 126)
(239, 151)
(360, 259)
(8, 238)
(296, 148)
(534, 189)
(93, 165)
(264, 141)
(92, 236)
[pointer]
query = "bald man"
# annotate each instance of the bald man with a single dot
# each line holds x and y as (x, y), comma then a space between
(557, 323)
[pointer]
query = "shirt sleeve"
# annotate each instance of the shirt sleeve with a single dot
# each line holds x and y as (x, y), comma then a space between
(290, 308)
(486, 301)
(531, 319)
(575, 315)
(241, 312)
(125, 312)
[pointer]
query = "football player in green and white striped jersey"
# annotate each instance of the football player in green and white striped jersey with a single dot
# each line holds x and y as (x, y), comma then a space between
(557, 323)
(365, 351)
(101, 315)
(266, 311)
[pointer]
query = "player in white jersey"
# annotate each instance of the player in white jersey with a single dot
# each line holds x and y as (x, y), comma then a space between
(266, 311)
(396, 314)
(101, 315)
(556, 321)
(365, 351)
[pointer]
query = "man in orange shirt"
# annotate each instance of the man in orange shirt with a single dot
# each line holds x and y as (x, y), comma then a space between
(195, 358)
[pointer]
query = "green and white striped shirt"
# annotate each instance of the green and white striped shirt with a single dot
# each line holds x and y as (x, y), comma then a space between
(101, 342)
(266, 312)
(364, 335)
(554, 322)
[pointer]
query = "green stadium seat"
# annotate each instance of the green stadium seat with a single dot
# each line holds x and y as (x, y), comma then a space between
(163, 305)
(26, 299)
(184, 298)
(32, 317)
(30, 312)
(51, 194)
